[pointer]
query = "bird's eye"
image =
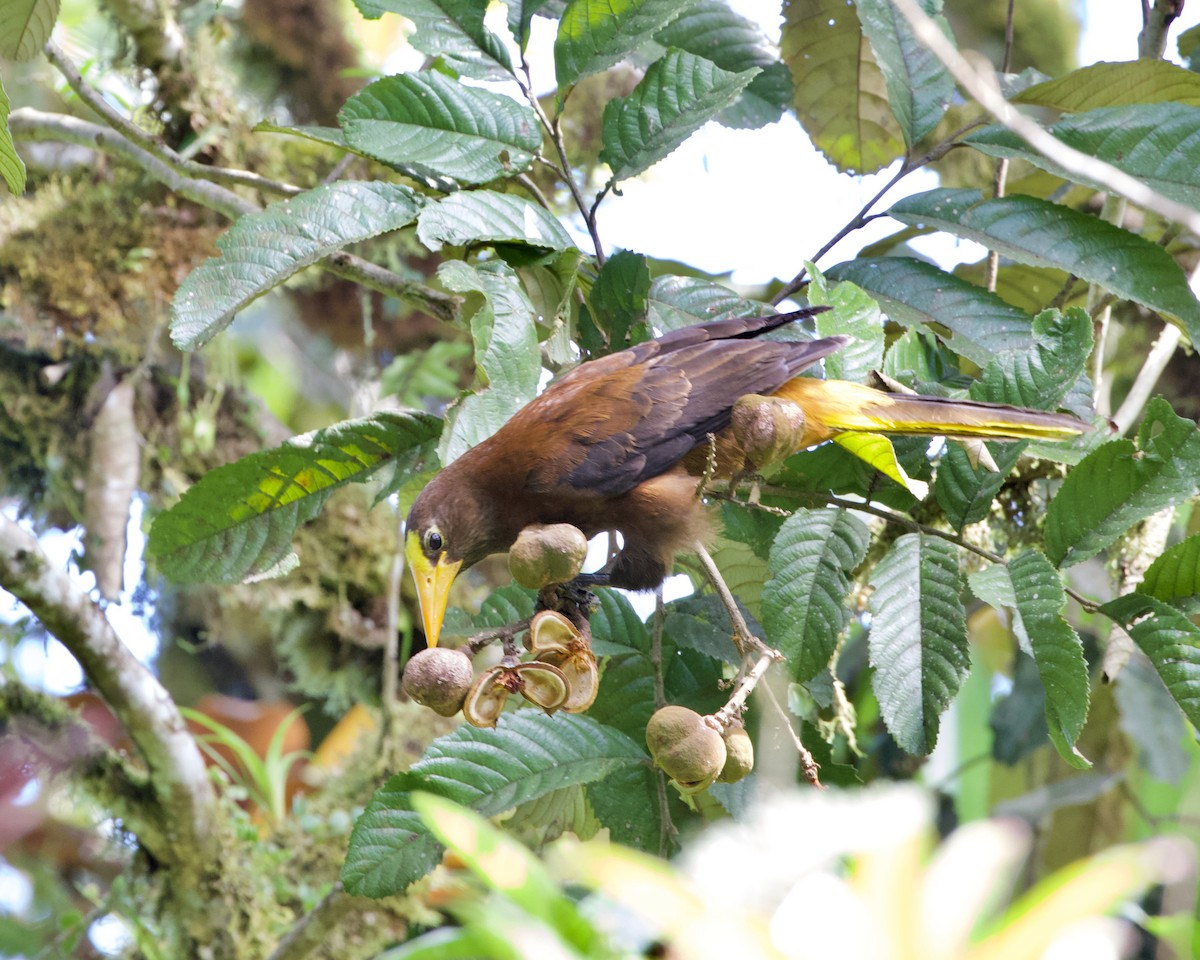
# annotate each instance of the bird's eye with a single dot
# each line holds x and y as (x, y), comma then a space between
(433, 540)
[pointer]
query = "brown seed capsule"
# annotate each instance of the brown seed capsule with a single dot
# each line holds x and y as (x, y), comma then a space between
(767, 428)
(557, 641)
(438, 678)
(539, 683)
(551, 632)
(739, 754)
(547, 553)
(686, 747)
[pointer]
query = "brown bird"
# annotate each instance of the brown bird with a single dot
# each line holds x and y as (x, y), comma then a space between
(604, 448)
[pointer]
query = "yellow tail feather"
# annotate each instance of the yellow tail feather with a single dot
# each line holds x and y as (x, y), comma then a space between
(839, 406)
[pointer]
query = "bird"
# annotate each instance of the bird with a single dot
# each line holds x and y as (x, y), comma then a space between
(606, 447)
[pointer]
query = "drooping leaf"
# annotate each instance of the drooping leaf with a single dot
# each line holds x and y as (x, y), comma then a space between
(710, 29)
(1159, 144)
(840, 94)
(832, 468)
(1057, 649)
(1018, 721)
(619, 300)
(1169, 639)
(854, 313)
(1174, 576)
(679, 94)
(506, 353)
(263, 249)
(527, 755)
(918, 638)
(876, 450)
(804, 606)
(1048, 234)
(595, 34)
(683, 301)
(1119, 484)
(451, 29)
(432, 125)
(973, 322)
(918, 86)
(616, 626)
(486, 216)
(25, 26)
(1116, 84)
(12, 168)
(1038, 378)
(700, 623)
(237, 521)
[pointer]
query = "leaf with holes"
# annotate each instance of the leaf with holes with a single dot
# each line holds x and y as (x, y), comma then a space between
(1115, 84)
(840, 93)
(919, 88)
(1039, 378)
(593, 35)
(676, 97)
(1169, 639)
(1057, 650)
(710, 29)
(25, 26)
(1159, 144)
(918, 638)
(1120, 484)
(506, 353)
(432, 125)
(451, 29)
(237, 521)
(486, 216)
(918, 294)
(1048, 234)
(528, 754)
(1174, 576)
(12, 168)
(804, 607)
(263, 249)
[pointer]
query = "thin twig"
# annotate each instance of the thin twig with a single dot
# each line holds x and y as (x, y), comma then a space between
(1147, 378)
(391, 644)
(656, 656)
(745, 686)
(1000, 181)
(745, 641)
(504, 634)
(985, 90)
(808, 764)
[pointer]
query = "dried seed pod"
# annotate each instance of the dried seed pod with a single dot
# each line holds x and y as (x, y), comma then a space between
(546, 553)
(767, 428)
(438, 678)
(739, 754)
(582, 675)
(687, 748)
(543, 684)
(539, 683)
(551, 632)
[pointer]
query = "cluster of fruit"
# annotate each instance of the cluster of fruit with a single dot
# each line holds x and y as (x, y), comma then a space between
(697, 751)
(562, 675)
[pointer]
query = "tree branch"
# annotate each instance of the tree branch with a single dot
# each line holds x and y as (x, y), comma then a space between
(178, 776)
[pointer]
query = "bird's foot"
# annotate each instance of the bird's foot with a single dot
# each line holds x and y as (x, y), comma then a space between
(573, 598)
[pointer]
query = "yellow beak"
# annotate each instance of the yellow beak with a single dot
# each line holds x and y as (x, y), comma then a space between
(433, 585)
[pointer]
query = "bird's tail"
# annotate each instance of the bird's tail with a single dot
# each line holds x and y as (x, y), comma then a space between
(839, 406)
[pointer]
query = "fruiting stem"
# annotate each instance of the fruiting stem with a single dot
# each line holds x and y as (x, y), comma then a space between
(737, 703)
(745, 641)
(505, 634)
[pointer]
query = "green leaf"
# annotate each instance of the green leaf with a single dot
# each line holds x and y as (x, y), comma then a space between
(919, 88)
(1152, 720)
(451, 29)
(1047, 234)
(1057, 649)
(918, 638)
(701, 623)
(684, 301)
(330, 136)
(854, 313)
(1038, 378)
(527, 755)
(1029, 289)
(1119, 484)
(1018, 721)
(1174, 576)
(1158, 144)
(25, 26)
(711, 30)
(676, 97)
(1116, 84)
(432, 125)
(619, 299)
(238, 520)
(804, 606)
(12, 168)
(593, 35)
(616, 626)
(1169, 639)
(506, 353)
(876, 450)
(416, 377)
(832, 468)
(840, 93)
(485, 216)
(973, 322)
(263, 249)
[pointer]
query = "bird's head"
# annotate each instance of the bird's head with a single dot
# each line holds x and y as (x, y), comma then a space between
(444, 535)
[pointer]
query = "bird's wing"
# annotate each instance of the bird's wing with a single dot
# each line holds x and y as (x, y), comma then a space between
(614, 423)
